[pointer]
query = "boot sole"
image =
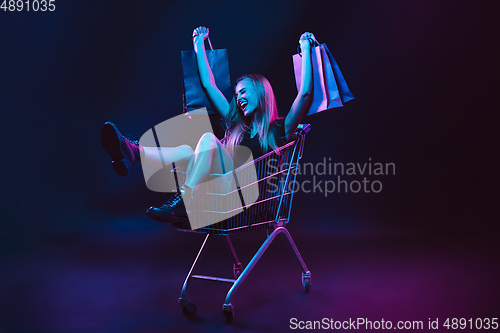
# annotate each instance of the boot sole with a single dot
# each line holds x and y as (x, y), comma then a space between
(111, 142)
(170, 219)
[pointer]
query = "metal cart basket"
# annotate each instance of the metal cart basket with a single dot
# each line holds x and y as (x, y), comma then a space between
(275, 182)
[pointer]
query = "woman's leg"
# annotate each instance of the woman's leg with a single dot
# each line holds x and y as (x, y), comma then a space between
(161, 157)
(125, 152)
(210, 156)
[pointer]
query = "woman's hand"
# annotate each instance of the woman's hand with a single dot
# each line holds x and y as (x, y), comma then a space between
(307, 41)
(199, 35)
(207, 79)
(302, 103)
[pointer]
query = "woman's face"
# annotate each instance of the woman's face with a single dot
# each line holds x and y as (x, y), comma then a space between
(246, 97)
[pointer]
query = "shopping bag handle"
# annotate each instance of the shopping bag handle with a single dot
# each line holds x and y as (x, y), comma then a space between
(210, 43)
(315, 43)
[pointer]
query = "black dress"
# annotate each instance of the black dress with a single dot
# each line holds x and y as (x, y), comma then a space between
(278, 127)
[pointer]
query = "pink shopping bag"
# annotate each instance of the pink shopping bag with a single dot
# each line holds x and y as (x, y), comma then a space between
(330, 87)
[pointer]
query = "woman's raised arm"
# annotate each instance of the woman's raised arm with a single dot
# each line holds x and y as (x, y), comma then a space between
(302, 102)
(215, 96)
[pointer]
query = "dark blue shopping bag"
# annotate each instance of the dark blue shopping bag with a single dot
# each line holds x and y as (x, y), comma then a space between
(193, 94)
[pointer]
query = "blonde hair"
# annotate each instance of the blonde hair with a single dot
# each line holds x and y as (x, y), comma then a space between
(265, 114)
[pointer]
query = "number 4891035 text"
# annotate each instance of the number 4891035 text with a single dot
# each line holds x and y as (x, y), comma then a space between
(28, 5)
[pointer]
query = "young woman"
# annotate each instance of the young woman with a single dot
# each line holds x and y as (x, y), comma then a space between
(251, 119)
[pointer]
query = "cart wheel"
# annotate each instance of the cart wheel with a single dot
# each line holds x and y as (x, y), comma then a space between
(306, 281)
(188, 308)
(228, 312)
(237, 269)
(306, 285)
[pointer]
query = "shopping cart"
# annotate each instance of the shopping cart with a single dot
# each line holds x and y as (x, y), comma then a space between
(273, 176)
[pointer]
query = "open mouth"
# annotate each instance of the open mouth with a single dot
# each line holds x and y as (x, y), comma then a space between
(243, 104)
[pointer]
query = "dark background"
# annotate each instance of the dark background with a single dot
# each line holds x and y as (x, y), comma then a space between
(425, 78)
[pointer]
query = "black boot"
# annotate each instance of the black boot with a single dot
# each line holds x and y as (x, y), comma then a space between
(124, 152)
(174, 210)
